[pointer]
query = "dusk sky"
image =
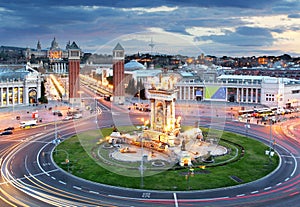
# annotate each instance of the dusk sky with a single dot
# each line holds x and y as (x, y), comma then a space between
(189, 27)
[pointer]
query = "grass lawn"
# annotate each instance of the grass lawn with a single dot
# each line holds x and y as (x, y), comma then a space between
(240, 167)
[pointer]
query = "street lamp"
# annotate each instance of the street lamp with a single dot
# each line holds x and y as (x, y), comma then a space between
(80, 92)
(189, 174)
(247, 126)
(96, 112)
(270, 152)
(142, 164)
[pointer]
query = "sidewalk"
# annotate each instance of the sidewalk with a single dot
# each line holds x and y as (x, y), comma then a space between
(8, 115)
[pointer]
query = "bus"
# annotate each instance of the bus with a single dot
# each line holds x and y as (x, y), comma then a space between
(278, 110)
(246, 113)
(264, 112)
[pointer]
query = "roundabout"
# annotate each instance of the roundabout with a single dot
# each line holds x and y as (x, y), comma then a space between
(33, 173)
(86, 169)
(242, 163)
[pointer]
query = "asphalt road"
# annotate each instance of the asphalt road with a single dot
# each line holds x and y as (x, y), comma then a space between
(30, 178)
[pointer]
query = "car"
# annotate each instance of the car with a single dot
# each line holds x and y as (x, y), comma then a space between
(77, 116)
(6, 133)
(59, 114)
(68, 118)
(56, 112)
(9, 128)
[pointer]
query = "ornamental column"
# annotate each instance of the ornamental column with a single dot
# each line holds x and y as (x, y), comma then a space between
(7, 96)
(25, 94)
(19, 96)
(152, 113)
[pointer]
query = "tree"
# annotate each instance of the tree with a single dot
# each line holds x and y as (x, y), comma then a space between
(43, 98)
(131, 87)
(110, 80)
(141, 90)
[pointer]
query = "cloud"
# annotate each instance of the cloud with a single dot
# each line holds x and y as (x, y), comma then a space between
(294, 16)
(243, 36)
(258, 4)
(244, 25)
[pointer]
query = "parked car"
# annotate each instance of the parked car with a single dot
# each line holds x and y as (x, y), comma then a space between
(9, 128)
(6, 133)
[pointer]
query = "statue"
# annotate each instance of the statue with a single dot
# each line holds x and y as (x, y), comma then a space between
(183, 145)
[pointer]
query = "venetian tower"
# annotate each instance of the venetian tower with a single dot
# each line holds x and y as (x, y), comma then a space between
(118, 74)
(74, 69)
(164, 126)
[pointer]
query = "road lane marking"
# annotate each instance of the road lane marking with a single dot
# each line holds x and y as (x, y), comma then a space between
(146, 195)
(267, 188)
(62, 182)
(76, 187)
(240, 195)
(253, 192)
(175, 199)
(94, 192)
(278, 184)
(286, 179)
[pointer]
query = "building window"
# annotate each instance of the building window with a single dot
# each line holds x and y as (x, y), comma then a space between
(74, 53)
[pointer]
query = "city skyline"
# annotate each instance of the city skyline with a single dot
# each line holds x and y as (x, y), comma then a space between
(217, 27)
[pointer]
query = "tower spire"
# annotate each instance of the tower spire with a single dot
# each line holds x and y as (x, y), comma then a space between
(151, 44)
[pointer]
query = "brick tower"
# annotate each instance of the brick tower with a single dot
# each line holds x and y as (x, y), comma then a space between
(118, 74)
(74, 69)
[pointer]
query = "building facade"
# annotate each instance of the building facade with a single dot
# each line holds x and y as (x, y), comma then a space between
(265, 90)
(19, 87)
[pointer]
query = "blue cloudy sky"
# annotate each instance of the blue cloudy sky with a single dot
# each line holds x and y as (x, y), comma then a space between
(189, 27)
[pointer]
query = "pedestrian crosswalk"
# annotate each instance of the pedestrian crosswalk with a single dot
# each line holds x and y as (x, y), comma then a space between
(98, 110)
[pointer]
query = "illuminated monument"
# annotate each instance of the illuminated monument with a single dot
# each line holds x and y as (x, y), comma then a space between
(164, 127)
(164, 136)
(74, 69)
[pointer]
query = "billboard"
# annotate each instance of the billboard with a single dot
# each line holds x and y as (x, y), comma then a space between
(215, 93)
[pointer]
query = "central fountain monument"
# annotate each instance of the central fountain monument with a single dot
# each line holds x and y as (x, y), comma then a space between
(164, 134)
(164, 127)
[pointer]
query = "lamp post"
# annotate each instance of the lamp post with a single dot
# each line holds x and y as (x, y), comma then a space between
(80, 92)
(55, 133)
(247, 126)
(270, 152)
(278, 111)
(189, 174)
(142, 164)
(96, 112)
